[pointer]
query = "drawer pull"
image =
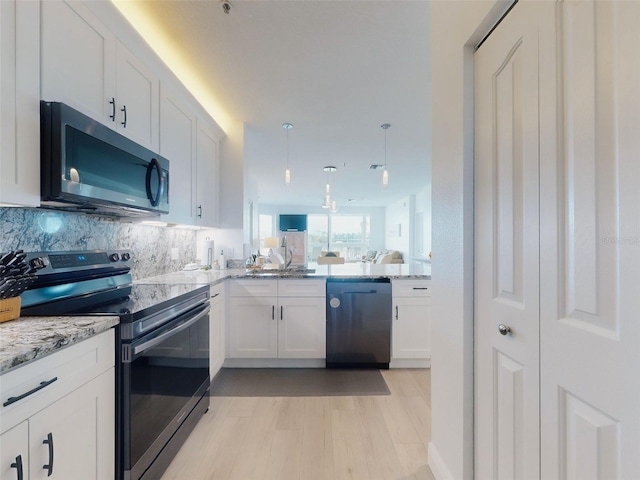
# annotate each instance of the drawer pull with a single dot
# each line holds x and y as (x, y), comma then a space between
(42, 385)
(49, 441)
(421, 288)
(18, 466)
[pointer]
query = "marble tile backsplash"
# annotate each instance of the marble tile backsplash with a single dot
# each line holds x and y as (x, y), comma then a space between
(36, 230)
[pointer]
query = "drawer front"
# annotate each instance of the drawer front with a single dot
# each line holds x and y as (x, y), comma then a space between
(217, 293)
(411, 288)
(71, 367)
(301, 288)
(253, 288)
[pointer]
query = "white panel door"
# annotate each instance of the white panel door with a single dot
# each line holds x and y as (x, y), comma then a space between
(509, 90)
(79, 433)
(14, 452)
(590, 267)
(302, 327)
(137, 99)
(77, 59)
(177, 144)
(207, 169)
(253, 327)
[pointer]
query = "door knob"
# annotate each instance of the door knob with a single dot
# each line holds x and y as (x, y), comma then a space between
(503, 329)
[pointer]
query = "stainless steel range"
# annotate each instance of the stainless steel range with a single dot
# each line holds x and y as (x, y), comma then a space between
(162, 349)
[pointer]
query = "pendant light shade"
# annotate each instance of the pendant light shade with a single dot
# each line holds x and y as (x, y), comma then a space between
(327, 189)
(287, 172)
(385, 172)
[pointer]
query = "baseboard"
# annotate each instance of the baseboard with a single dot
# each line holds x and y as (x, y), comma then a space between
(437, 465)
(274, 363)
(410, 363)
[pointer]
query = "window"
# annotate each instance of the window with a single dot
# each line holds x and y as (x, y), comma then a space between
(347, 234)
(265, 227)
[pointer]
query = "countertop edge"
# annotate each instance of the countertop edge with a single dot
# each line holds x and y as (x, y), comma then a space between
(215, 277)
(26, 339)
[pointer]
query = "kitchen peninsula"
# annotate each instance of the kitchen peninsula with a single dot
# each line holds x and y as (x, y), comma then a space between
(245, 303)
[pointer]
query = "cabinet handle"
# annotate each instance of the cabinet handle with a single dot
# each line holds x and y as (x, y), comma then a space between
(421, 288)
(273, 312)
(281, 312)
(49, 466)
(124, 116)
(199, 211)
(18, 466)
(396, 312)
(11, 400)
(113, 109)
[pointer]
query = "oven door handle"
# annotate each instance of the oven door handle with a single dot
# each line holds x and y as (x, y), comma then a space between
(163, 336)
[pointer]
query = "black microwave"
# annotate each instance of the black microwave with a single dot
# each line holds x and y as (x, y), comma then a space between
(87, 167)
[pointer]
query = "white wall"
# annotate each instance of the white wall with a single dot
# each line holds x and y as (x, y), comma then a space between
(455, 28)
(398, 226)
(423, 207)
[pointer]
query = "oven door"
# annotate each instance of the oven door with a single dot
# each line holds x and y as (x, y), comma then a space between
(164, 375)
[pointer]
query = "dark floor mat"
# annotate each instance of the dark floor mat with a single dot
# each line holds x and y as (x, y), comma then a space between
(297, 382)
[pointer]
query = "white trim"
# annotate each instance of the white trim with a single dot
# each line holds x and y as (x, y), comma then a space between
(410, 363)
(437, 465)
(274, 363)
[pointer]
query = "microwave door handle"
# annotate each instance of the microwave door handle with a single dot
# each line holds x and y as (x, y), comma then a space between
(154, 165)
(162, 337)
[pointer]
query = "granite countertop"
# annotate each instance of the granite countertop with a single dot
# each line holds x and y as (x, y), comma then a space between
(420, 271)
(29, 338)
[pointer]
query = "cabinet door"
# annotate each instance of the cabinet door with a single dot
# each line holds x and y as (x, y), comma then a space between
(411, 334)
(216, 338)
(137, 99)
(14, 452)
(81, 428)
(177, 143)
(19, 103)
(302, 327)
(207, 172)
(253, 327)
(77, 59)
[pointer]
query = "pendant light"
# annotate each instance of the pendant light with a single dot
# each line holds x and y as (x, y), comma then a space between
(287, 172)
(327, 190)
(385, 173)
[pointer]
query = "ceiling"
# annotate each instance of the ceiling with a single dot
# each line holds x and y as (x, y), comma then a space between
(336, 70)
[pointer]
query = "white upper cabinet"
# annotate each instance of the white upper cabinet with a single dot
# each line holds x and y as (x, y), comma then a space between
(207, 169)
(84, 66)
(190, 142)
(137, 98)
(177, 144)
(19, 102)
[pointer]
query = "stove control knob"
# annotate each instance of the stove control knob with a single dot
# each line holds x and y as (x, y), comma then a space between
(126, 256)
(114, 257)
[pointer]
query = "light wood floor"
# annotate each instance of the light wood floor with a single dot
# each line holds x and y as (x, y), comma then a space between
(314, 438)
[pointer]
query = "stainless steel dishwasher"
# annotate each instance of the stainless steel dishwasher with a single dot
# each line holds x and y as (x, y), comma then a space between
(358, 322)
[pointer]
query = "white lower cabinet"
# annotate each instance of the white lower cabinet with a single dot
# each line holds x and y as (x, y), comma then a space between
(411, 327)
(217, 338)
(14, 453)
(65, 426)
(277, 319)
